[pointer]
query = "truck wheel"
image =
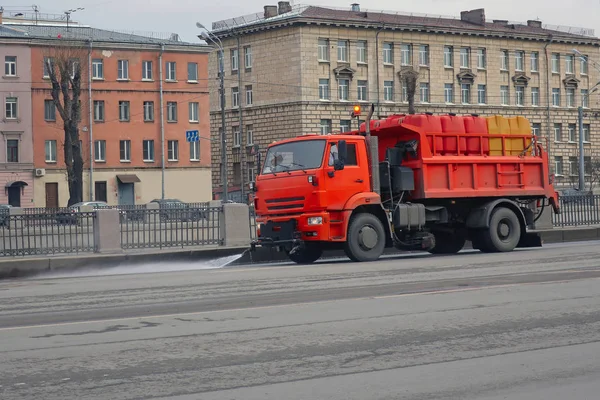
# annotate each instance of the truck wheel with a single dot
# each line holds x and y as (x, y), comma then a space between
(366, 238)
(306, 255)
(448, 242)
(504, 232)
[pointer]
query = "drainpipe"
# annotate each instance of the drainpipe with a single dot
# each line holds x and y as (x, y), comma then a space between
(377, 58)
(242, 152)
(162, 121)
(91, 112)
(548, 97)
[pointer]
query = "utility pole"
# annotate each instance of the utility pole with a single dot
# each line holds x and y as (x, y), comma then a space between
(581, 150)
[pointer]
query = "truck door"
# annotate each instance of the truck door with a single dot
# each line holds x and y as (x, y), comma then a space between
(343, 184)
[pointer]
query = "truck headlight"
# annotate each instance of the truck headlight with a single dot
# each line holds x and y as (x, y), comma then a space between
(315, 220)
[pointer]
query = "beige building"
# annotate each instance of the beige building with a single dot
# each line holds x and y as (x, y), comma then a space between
(295, 70)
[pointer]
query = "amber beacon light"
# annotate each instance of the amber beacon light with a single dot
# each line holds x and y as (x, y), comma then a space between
(356, 111)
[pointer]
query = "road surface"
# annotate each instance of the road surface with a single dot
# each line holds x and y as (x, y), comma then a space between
(524, 325)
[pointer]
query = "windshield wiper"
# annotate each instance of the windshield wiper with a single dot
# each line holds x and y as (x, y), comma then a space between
(302, 167)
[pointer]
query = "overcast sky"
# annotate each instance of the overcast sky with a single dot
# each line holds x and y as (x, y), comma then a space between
(180, 16)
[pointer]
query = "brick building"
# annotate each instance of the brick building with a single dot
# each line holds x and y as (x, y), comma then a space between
(141, 94)
(294, 70)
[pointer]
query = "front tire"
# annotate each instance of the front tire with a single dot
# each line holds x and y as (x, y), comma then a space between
(307, 255)
(366, 238)
(504, 232)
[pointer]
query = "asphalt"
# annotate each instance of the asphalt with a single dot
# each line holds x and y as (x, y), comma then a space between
(522, 325)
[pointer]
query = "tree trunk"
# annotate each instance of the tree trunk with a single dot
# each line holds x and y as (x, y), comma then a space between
(74, 164)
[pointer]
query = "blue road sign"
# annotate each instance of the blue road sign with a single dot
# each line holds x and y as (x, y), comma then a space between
(192, 136)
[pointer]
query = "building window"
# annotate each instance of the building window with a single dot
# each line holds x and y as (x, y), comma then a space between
(251, 172)
(171, 71)
(249, 135)
(48, 60)
(520, 95)
(97, 69)
(173, 150)
(535, 96)
(123, 69)
(234, 60)
(323, 48)
(345, 125)
(148, 150)
(448, 56)
(49, 110)
(519, 60)
(465, 93)
(194, 151)
(584, 98)
(424, 55)
(504, 99)
(424, 90)
(584, 65)
(572, 136)
(535, 61)
(570, 64)
(405, 54)
(235, 97)
(404, 90)
(558, 165)
(555, 63)
(249, 95)
(573, 166)
(556, 97)
(481, 94)
(481, 59)
(342, 50)
(504, 60)
(50, 151)
(171, 111)
(148, 111)
(10, 66)
(343, 89)
(536, 129)
(324, 89)
(388, 53)
(194, 111)
(586, 133)
(449, 93)
(12, 108)
(388, 90)
(325, 126)
(557, 132)
(362, 94)
(248, 57)
(570, 97)
(361, 52)
(100, 150)
(124, 111)
(12, 151)
(98, 110)
(125, 150)
(237, 138)
(465, 55)
(147, 70)
(192, 72)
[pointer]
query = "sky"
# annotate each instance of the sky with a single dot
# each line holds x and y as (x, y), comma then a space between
(180, 16)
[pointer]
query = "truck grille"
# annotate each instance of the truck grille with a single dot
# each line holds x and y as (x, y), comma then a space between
(292, 203)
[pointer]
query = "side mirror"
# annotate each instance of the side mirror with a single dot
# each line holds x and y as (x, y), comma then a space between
(342, 154)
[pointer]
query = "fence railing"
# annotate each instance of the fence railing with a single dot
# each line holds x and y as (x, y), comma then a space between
(578, 210)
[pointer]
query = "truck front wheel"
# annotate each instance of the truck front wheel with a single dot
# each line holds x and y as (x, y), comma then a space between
(366, 238)
(503, 234)
(306, 255)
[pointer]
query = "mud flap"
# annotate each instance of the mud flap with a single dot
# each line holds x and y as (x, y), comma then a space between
(530, 240)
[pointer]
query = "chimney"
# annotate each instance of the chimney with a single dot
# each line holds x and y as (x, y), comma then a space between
(284, 7)
(476, 17)
(270, 11)
(355, 7)
(534, 23)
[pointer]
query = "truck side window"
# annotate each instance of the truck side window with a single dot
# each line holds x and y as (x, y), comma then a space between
(351, 160)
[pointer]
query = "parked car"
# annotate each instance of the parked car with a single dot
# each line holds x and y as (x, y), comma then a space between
(70, 215)
(4, 213)
(173, 209)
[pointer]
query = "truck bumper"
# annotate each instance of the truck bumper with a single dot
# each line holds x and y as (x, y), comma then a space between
(288, 233)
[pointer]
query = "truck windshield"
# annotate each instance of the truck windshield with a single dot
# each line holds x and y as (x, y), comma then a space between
(301, 155)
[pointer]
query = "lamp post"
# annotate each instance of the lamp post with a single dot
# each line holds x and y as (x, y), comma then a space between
(210, 37)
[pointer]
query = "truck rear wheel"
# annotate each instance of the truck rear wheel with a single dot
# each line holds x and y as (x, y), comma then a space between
(366, 238)
(448, 242)
(503, 234)
(306, 255)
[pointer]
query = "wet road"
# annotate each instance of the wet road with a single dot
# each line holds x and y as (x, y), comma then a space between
(524, 325)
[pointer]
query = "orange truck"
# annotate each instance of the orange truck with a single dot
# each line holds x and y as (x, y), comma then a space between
(414, 182)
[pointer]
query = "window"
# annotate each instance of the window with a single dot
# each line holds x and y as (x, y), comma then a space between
(345, 125)
(555, 63)
(171, 71)
(536, 129)
(194, 151)
(173, 150)
(125, 150)
(123, 69)
(424, 92)
(342, 50)
(465, 54)
(587, 165)
(405, 54)
(171, 111)
(248, 57)
(147, 70)
(465, 93)
(235, 97)
(558, 165)
(10, 66)
(570, 97)
(557, 132)
(192, 72)
(504, 60)
(74, 66)
(47, 60)
(423, 55)
(251, 172)
(49, 110)
(324, 89)
(570, 64)
(388, 53)
(249, 135)
(535, 96)
(504, 100)
(148, 150)
(361, 51)
(343, 89)
(237, 138)
(584, 98)
(362, 94)
(519, 60)
(100, 150)
(350, 160)
(535, 61)
(573, 166)
(572, 129)
(448, 56)
(449, 93)
(98, 110)
(124, 111)
(194, 111)
(249, 96)
(556, 97)
(234, 60)
(404, 89)
(97, 69)
(584, 65)
(325, 126)
(148, 111)
(323, 48)
(481, 59)
(12, 151)
(586, 133)
(481, 94)
(50, 151)
(520, 95)
(12, 108)
(388, 90)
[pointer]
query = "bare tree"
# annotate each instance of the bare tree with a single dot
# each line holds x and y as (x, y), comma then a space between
(592, 173)
(410, 77)
(64, 65)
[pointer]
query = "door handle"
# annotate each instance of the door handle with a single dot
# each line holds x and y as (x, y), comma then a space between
(359, 181)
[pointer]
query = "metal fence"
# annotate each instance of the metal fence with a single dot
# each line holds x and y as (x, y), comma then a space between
(44, 234)
(578, 210)
(172, 227)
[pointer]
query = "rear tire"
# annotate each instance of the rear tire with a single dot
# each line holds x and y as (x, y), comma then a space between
(504, 232)
(306, 255)
(448, 242)
(366, 238)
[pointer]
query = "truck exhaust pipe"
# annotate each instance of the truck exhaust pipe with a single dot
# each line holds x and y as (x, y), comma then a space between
(373, 149)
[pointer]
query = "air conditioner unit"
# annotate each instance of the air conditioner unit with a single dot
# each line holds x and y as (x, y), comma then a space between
(40, 172)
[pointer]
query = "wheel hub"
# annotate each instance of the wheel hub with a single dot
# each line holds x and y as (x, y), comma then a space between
(503, 230)
(367, 237)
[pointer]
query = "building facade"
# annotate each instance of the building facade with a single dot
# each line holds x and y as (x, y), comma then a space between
(305, 68)
(139, 96)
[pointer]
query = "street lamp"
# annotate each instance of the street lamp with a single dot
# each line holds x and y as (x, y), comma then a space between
(207, 36)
